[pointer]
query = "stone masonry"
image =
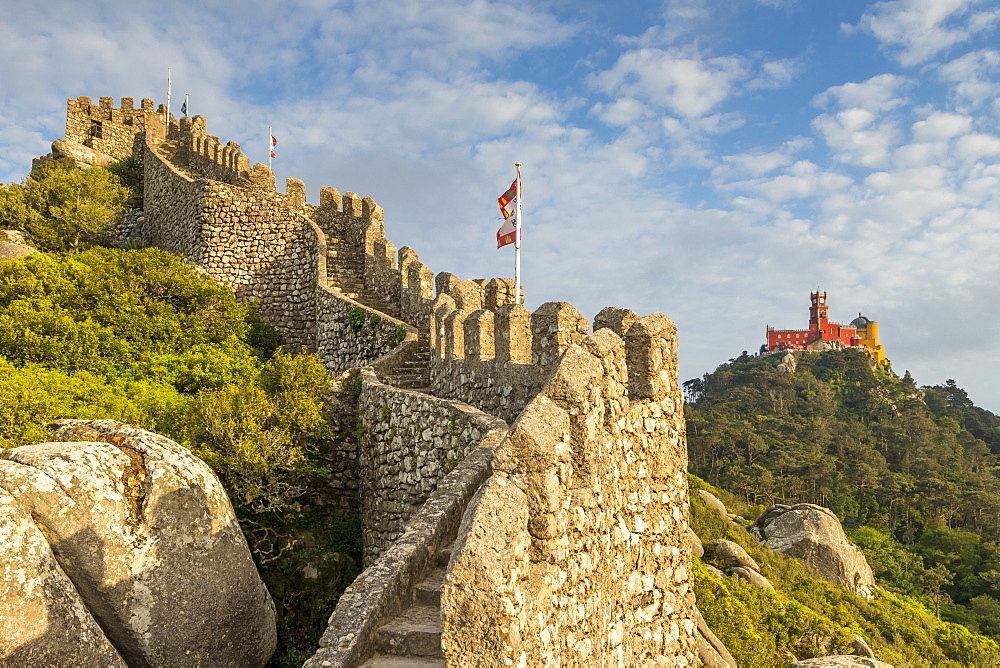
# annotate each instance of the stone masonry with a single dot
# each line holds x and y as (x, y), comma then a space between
(556, 540)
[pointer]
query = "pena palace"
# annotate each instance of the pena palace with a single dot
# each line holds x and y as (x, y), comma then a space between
(825, 335)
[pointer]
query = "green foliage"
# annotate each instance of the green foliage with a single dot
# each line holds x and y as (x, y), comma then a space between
(61, 207)
(33, 395)
(806, 617)
(140, 337)
(261, 437)
(127, 314)
(356, 318)
(400, 334)
(910, 473)
(129, 174)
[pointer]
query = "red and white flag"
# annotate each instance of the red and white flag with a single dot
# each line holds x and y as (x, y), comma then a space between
(507, 234)
(274, 142)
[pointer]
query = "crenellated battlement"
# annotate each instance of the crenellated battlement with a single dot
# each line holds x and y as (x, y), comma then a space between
(204, 156)
(589, 487)
(109, 129)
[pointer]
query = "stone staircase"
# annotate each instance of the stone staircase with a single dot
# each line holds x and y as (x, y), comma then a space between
(414, 373)
(413, 638)
(168, 149)
(344, 270)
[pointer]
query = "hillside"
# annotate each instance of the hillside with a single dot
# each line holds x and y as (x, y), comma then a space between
(89, 331)
(912, 472)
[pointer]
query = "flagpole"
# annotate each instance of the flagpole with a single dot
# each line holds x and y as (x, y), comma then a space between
(270, 145)
(169, 83)
(517, 239)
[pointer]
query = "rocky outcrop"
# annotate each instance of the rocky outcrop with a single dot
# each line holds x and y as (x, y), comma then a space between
(83, 156)
(733, 555)
(12, 236)
(813, 534)
(788, 363)
(711, 651)
(122, 549)
(740, 564)
(11, 251)
(753, 577)
(712, 501)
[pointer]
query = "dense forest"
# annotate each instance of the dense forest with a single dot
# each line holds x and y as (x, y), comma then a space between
(913, 472)
(137, 335)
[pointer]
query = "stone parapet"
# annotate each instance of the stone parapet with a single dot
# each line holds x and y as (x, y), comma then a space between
(386, 587)
(497, 361)
(573, 551)
(410, 441)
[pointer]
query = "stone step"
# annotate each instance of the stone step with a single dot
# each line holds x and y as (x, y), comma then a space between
(428, 592)
(416, 632)
(415, 387)
(388, 661)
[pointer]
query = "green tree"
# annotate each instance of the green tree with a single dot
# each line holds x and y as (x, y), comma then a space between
(61, 206)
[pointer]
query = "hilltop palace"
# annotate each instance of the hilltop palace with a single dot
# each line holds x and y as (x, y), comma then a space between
(822, 334)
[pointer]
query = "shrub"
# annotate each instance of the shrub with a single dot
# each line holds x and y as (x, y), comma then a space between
(61, 206)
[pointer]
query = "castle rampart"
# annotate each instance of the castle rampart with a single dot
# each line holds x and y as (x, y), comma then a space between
(497, 360)
(573, 551)
(254, 241)
(104, 128)
(203, 155)
(410, 442)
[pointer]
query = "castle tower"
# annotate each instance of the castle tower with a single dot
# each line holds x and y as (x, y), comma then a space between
(817, 312)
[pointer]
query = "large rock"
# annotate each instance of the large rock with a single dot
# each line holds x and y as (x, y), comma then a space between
(813, 534)
(712, 501)
(12, 251)
(733, 555)
(753, 577)
(122, 549)
(83, 156)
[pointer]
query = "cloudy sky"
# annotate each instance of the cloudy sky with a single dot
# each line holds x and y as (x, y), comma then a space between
(714, 160)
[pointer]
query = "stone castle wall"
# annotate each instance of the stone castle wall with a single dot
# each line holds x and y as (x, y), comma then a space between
(573, 552)
(258, 242)
(203, 154)
(497, 358)
(111, 130)
(411, 441)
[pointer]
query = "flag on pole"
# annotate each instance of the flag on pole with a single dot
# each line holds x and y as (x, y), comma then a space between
(184, 107)
(274, 142)
(506, 201)
(507, 234)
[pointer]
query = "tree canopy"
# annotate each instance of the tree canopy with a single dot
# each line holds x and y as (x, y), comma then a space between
(913, 473)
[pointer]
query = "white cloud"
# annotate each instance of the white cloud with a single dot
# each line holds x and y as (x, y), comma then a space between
(879, 93)
(857, 136)
(680, 81)
(970, 77)
(941, 125)
(975, 147)
(622, 112)
(917, 30)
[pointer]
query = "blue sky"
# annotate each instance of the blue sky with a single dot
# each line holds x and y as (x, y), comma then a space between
(713, 160)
